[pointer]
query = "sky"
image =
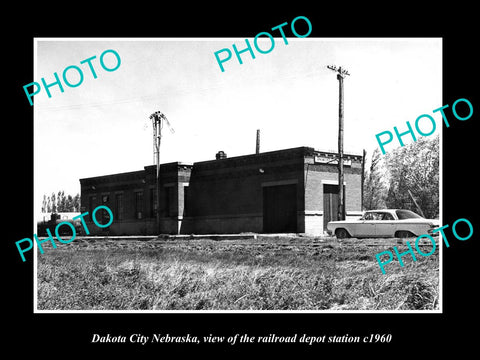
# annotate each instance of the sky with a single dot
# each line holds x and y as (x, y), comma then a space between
(102, 126)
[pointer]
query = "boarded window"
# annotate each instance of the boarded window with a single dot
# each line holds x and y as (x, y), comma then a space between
(92, 203)
(118, 207)
(153, 202)
(170, 203)
(105, 214)
(138, 205)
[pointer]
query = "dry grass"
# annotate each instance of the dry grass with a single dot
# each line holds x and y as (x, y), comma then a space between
(273, 274)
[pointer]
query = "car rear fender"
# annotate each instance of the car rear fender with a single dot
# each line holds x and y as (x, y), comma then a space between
(416, 229)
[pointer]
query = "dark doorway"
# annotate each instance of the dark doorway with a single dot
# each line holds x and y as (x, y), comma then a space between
(330, 203)
(280, 209)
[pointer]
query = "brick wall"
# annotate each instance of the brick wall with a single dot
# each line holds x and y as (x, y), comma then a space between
(224, 196)
(316, 175)
(132, 220)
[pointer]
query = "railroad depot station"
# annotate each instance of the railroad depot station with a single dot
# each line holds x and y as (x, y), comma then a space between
(285, 191)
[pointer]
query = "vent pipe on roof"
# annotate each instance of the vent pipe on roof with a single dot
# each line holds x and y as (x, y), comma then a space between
(257, 150)
(220, 155)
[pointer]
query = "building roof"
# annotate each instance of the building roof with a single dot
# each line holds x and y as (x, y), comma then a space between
(269, 157)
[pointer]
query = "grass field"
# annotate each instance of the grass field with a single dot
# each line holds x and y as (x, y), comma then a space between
(275, 273)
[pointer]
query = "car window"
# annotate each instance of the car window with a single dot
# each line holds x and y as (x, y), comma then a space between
(367, 216)
(372, 216)
(387, 216)
(377, 216)
(407, 214)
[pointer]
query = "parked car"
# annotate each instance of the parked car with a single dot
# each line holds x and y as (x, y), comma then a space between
(384, 223)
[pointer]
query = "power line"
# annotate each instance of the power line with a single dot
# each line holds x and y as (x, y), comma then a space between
(165, 93)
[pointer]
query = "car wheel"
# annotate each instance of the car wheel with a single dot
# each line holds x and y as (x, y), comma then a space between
(404, 234)
(341, 234)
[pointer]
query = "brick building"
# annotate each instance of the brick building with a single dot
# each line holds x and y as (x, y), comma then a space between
(292, 190)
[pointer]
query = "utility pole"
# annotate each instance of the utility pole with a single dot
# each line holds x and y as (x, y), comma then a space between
(363, 175)
(341, 73)
(158, 118)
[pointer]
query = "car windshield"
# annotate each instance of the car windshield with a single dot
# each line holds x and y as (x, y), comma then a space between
(374, 215)
(407, 214)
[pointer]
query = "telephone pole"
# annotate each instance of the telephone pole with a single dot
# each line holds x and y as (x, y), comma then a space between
(341, 73)
(158, 120)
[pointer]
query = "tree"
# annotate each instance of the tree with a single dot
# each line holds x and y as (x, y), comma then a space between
(49, 204)
(69, 203)
(60, 202)
(54, 203)
(44, 204)
(76, 203)
(423, 177)
(415, 167)
(374, 187)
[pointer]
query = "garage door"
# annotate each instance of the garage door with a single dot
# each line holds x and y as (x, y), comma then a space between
(280, 208)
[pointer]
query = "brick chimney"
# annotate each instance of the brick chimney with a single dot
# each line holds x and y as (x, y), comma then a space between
(220, 155)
